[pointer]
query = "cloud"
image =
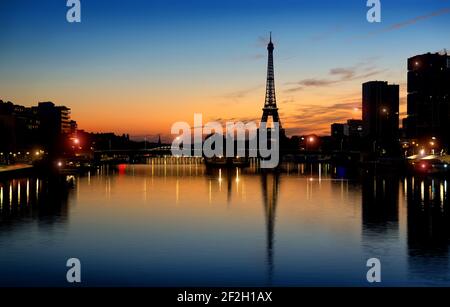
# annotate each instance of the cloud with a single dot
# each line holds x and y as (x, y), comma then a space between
(317, 118)
(237, 95)
(289, 100)
(406, 23)
(415, 20)
(361, 70)
(313, 83)
(345, 73)
(309, 118)
(235, 119)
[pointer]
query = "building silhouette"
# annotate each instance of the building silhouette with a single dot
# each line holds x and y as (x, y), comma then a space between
(19, 127)
(26, 129)
(55, 123)
(353, 128)
(337, 130)
(429, 98)
(346, 136)
(381, 117)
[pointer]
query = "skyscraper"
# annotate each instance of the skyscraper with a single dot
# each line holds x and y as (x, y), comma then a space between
(55, 123)
(381, 117)
(429, 98)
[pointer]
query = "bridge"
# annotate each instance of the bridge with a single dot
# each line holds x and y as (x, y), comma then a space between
(158, 156)
(130, 155)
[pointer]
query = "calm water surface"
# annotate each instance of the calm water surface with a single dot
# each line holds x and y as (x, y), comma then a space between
(184, 225)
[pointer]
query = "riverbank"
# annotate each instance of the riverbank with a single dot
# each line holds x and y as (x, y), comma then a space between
(8, 169)
(16, 170)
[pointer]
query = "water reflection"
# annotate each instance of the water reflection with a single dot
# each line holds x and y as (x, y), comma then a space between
(270, 182)
(303, 224)
(44, 200)
(428, 228)
(380, 203)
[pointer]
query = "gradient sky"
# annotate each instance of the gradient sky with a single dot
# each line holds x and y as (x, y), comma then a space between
(137, 66)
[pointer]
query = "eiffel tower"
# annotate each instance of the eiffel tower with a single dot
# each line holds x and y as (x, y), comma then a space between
(270, 105)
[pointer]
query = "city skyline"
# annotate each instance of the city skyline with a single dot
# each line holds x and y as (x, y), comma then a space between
(186, 60)
(211, 150)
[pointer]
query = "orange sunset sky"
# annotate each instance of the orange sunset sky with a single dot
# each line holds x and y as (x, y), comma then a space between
(139, 68)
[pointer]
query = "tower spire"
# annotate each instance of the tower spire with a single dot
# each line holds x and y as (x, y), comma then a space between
(270, 104)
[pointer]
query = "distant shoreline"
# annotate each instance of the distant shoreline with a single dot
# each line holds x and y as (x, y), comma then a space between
(15, 169)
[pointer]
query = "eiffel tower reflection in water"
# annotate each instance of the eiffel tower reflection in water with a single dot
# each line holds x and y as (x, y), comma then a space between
(270, 182)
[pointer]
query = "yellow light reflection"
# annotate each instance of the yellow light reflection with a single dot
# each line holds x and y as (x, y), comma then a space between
(422, 191)
(28, 191)
(177, 191)
(18, 194)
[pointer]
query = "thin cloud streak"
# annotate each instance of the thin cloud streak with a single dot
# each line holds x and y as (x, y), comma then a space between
(317, 119)
(406, 23)
(237, 95)
(343, 74)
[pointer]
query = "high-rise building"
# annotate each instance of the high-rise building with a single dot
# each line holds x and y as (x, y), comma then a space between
(55, 123)
(57, 118)
(337, 130)
(353, 128)
(19, 127)
(346, 136)
(429, 98)
(381, 117)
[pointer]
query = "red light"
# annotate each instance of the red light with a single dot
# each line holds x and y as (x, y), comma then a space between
(122, 169)
(423, 165)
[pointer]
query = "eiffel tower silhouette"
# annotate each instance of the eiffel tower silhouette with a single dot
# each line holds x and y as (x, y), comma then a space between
(270, 105)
